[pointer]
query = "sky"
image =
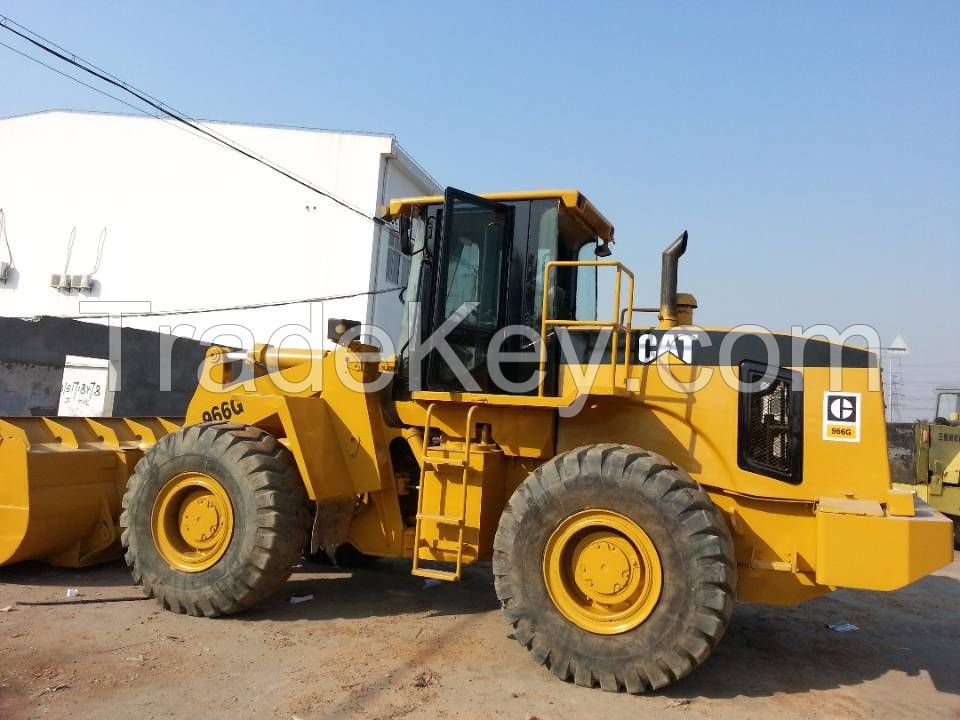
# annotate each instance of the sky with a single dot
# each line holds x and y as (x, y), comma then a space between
(811, 149)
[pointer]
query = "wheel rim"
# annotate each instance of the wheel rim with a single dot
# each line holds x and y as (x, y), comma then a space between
(602, 572)
(192, 522)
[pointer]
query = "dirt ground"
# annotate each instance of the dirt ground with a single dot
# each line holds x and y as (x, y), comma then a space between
(378, 643)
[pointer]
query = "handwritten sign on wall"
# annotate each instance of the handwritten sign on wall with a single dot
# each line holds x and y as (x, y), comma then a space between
(84, 392)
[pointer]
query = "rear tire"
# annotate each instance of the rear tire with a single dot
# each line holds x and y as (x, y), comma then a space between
(259, 514)
(693, 557)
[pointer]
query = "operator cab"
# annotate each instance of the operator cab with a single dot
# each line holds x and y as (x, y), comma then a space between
(948, 407)
(477, 267)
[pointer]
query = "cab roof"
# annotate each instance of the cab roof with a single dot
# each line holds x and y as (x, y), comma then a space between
(573, 200)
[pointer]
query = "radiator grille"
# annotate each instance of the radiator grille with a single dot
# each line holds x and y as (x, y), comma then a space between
(770, 428)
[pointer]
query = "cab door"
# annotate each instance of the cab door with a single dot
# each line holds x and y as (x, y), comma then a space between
(470, 288)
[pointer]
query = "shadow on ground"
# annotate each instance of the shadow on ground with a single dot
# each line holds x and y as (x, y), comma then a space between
(385, 588)
(766, 650)
(38, 574)
(791, 650)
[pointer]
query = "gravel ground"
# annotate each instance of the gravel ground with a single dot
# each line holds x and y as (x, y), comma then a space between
(377, 643)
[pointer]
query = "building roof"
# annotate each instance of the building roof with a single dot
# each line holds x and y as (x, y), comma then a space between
(272, 126)
(397, 151)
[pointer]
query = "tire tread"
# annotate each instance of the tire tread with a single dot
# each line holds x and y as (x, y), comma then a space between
(281, 517)
(705, 532)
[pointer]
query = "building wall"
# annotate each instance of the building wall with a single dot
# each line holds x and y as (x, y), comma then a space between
(33, 355)
(389, 268)
(193, 225)
(190, 225)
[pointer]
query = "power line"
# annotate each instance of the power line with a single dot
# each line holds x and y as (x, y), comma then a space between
(72, 58)
(77, 80)
(224, 308)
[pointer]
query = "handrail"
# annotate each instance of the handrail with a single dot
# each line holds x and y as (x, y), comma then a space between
(616, 324)
(639, 309)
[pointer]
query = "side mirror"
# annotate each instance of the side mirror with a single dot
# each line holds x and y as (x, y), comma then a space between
(406, 241)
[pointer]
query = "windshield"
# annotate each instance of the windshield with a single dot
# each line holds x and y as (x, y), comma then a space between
(948, 408)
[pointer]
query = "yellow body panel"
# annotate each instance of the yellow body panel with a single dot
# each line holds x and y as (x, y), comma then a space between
(881, 552)
(945, 498)
(698, 431)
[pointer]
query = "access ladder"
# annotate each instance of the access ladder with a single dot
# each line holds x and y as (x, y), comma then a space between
(431, 460)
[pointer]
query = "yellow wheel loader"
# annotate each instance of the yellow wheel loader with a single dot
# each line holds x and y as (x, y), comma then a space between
(629, 474)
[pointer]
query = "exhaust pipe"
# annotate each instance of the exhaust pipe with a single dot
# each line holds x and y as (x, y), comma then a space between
(668, 278)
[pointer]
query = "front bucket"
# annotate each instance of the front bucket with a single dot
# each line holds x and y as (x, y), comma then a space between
(61, 483)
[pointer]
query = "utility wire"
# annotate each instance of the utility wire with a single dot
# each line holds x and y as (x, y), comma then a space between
(225, 308)
(189, 130)
(77, 80)
(72, 58)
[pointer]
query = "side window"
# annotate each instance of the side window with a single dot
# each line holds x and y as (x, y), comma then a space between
(586, 285)
(541, 249)
(393, 257)
(555, 235)
(397, 268)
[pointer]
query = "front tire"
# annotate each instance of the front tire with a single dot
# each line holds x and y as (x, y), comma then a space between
(214, 519)
(614, 568)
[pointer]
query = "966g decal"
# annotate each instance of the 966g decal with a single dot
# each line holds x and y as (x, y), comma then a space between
(841, 416)
(223, 411)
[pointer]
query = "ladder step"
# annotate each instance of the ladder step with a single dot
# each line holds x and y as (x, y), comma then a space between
(453, 462)
(448, 519)
(450, 575)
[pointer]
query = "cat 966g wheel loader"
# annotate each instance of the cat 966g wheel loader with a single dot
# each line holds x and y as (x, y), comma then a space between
(629, 479)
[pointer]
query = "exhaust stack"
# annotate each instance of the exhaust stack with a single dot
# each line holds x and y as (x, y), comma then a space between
(668, 279)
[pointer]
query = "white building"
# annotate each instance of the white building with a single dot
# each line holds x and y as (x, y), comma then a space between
(191, 224)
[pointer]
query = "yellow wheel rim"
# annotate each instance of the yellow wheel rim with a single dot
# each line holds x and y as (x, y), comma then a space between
(192, 522)
(602, 572)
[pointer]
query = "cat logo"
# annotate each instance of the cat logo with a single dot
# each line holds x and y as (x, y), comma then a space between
(679, 345)
(841, 416)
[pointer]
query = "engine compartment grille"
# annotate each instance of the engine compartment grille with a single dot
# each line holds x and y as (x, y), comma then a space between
(770, 428)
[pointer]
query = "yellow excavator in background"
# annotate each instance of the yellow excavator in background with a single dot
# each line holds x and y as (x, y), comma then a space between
(629, 480)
